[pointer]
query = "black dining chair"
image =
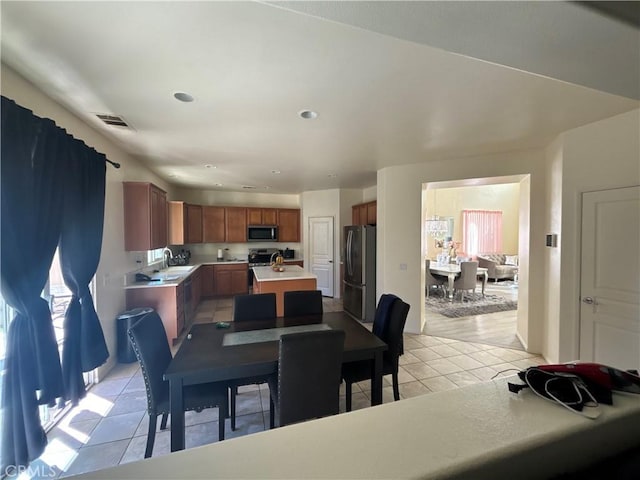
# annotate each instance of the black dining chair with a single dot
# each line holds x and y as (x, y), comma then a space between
(150, 344)
(302, 302)
(260, 306)
(388, 325)
(307, 384)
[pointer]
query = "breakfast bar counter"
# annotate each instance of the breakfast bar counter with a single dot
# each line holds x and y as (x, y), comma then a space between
(292, 277)
(477, 432)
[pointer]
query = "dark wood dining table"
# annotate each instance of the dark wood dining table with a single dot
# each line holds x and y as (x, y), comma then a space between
(248, 349)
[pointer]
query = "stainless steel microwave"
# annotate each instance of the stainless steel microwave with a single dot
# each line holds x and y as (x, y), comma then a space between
(262, 233)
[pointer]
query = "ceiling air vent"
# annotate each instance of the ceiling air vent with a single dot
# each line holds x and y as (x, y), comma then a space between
(113, 120)
(249, 187)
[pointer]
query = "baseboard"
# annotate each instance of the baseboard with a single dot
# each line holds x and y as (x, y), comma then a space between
(524, 344)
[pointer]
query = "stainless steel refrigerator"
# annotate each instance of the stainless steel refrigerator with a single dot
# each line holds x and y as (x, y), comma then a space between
(359, 298)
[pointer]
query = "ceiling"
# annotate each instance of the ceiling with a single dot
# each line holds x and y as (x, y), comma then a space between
(392, 82)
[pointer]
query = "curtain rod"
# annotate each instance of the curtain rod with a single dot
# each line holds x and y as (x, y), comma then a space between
(116, 165)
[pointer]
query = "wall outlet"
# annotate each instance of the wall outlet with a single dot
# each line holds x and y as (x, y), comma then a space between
(403, 266)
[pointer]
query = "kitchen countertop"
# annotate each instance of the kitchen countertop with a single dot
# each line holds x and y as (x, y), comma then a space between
(172, 279)
(291, 272)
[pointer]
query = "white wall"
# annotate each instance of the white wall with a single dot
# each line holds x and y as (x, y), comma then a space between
(114, 261)
(399, 235)
(598, 156)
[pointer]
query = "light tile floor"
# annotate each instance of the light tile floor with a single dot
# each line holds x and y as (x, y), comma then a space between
(109, 426)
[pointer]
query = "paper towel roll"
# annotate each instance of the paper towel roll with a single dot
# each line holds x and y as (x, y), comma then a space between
(219, 253)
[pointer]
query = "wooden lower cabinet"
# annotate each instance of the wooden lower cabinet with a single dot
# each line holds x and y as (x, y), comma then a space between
(206, 281)
(230, 279)
(168, 301)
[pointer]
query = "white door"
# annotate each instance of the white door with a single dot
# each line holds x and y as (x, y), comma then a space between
(321, 252)
(610, 280)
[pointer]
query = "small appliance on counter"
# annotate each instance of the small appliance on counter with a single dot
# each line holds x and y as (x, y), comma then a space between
(220, 257)
(288, 253)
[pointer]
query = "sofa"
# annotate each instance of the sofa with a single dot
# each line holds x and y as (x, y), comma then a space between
(499, 266)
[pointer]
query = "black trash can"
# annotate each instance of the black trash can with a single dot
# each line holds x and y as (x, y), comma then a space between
(124, 321)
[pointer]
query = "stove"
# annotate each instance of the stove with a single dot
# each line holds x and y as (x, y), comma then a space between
(261, 257)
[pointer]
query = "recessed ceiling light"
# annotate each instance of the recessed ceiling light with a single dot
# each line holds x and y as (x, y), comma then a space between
(208, 165)
(308, 114)
(217, 184)
(275, 172)
(183, 97)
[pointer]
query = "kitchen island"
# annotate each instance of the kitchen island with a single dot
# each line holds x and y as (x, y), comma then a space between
(266, 280)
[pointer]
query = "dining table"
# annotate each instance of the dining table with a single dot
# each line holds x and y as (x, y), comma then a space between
(226, 351)
(452, 271)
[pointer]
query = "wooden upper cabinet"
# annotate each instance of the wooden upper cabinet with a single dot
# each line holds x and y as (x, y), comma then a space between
(185, 223)
(213, 224)
(145, 216)
(288, 225)
(365, 213)
(262, 216)
(236, 224)
(372, 213)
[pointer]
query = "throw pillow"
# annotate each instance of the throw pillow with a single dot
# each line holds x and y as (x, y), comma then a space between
(511, 260)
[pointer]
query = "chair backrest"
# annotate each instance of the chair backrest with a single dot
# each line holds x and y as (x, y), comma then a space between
(382, 314)
(302, 302)
(395, 328)
(260, 306)
(468, 274)
(149, 341)
(429, 279)
(309, 375)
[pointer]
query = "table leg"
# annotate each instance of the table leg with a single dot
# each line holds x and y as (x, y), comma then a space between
(376, 380)
(452, 278)
(177, 415)
(485, 279)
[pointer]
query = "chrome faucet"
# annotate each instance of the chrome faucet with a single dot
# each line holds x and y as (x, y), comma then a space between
(165, 262)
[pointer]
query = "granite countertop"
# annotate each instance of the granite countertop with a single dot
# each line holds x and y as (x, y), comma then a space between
(291, 272)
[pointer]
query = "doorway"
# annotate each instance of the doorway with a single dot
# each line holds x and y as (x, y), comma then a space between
(321, 253)
(493, 319)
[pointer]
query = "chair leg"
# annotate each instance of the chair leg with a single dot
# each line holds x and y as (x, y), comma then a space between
(163, 421)
(396, 388)
(234, 392)
(348, 396)
(151, 435)
(222, 416)
(272, 415)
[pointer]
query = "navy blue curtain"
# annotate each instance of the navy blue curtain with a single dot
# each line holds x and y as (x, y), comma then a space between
(37, 161)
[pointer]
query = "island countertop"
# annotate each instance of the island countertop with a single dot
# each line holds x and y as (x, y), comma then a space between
(291, 272)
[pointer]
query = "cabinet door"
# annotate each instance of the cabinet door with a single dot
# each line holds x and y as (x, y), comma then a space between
(236, 224)
(254, 216)
(145, 219)
(363, 214)
(222, 282)
(158, 218)
(206, 281)
(269, 216)
(372, 213)
(239, 282)
(194, 224)
(288, 225)
(355, 215)
(213, 224)
(177, 213)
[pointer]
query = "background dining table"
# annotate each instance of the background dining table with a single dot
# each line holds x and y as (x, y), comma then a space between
(452, 270)
(211, 353)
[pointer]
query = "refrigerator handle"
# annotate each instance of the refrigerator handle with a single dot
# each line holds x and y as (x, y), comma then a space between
(348, 253)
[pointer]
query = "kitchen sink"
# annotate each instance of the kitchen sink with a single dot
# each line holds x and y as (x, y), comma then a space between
(179, 269)
(163, 277)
